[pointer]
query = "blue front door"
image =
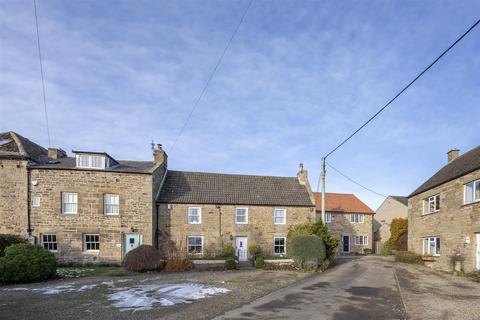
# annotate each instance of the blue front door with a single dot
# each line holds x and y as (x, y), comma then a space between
(346, 243)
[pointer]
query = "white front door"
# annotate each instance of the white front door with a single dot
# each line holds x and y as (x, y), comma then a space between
(132, 241)
(478, 251)
(241, 248)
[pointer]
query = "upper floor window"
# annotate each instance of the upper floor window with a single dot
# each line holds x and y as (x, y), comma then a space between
(36, 201)
(280, 216)
(356, 218)
(241, 215)
(69, 202)
(328, 217)
(194, 215)
(431, 204)
(90, 161)
(111, 204)
(431, 246)
(472, 191)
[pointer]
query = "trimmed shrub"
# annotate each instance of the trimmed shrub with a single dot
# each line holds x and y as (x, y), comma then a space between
(230, 263)
(228, 251)
(367, 251)
(259, 262)
(408, 257)
(143, 258)
(27, 263)
(307, 251)
(318, 229)
(9, 239)
(398, 235)
(254, 249)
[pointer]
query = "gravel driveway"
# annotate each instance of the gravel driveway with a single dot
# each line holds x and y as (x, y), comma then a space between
(190, 295)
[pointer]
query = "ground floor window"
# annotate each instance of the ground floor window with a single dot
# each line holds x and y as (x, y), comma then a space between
(361, 240)
(328, 217)
(194, 244)
(49, 242)
(92, 242)
(431, 246)
(279, 244)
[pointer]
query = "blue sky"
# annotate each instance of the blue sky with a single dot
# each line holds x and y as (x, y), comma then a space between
(297, 79)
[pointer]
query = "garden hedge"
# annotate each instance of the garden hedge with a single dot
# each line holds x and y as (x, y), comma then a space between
(308, 251)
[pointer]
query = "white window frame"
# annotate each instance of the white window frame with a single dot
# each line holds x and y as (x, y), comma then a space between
(329, 220)
(474, 185)
(199, 215)
(92, 242)
(36, 201)
(87, 161)
(63, 195)
(426, 244)
(431, 200)
(236, 216)
(188, 245)
(115, 204)
(284, 215)
(361, 240)
(284, 245)
(51, 241)
(357, 218)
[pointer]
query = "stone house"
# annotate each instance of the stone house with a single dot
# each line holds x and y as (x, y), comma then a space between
(392, 207)
(444, 214)
(86, 208)
(203, 212)
(349, 220)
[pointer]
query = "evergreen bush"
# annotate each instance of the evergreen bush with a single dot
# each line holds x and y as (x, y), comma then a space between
(230, 263)
(318, 229)
(9, 239)
(308, 251)
(27, 263)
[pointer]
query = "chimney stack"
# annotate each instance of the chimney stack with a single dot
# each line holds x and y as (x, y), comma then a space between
(302, 174)
(453, 154)
(56, 153)
(159, 155)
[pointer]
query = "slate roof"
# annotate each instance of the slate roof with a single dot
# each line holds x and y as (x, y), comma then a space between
(341, 202)
(13, 145)
(236, 189)
(402, 200)
(126, 166)
(464, 164)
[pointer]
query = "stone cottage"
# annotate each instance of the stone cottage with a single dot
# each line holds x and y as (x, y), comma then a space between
(392, 207)
(86, 208)
(444, 214)
(202, 212)
(349, 220)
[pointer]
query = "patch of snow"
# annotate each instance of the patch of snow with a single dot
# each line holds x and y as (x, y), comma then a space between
(143, 297)
(56, 289)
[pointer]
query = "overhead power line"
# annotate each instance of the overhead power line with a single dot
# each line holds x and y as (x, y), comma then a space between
(405, 88)
(357, 183)
(219, 61)
(41, 72)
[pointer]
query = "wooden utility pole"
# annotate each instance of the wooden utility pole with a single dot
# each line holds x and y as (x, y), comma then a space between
(323, 189)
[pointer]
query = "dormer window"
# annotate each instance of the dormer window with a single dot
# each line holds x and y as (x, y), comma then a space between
(91, 161)
(94, 160)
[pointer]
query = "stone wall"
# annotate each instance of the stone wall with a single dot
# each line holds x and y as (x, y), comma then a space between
(136, 211)
(218, 225)
(388, 210)
(341, 225)
(453, 223)
(13, 197)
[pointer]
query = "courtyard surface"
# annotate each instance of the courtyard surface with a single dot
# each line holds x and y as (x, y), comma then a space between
(369, 288)
(355, 288)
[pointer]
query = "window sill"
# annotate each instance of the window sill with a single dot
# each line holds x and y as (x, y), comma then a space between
(91, 252)
(430, 213)
(470, 203)
(241, 222)
(430, 258)
(69, 213)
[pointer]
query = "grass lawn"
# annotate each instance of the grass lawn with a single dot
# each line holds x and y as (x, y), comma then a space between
(85, 271)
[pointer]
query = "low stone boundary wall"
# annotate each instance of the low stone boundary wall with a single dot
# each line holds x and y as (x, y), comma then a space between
(209, 264)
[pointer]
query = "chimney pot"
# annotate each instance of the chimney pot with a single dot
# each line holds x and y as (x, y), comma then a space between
(453, 154)
(56, 153)
(159, 155)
